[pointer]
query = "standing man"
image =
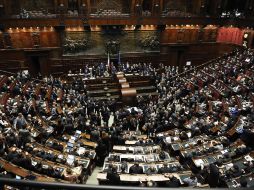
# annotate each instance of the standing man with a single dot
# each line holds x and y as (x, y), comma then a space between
(20, 122)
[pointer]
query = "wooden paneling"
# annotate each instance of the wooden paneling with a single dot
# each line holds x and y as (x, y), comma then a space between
(12, 66)
(12, 55)
(187, 36)
(21, 40)
(171, 54)
(230, 35)
(78, 21)
(191, 36)
(49, 39)
(1, 40)
(179, 54)
(209, 35)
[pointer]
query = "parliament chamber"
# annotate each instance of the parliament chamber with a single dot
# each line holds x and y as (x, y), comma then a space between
(126, 94)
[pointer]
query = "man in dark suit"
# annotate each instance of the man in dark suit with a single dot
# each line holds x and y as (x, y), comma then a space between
(136, 169)
(213, 176)
(164, 169)
(24, 136)
(26, 162)
(151, 170)
(247, 137)
(12, 154)
(101, 152)
(173, 182)
(113, 177)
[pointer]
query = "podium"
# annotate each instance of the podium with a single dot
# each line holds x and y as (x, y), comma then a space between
(128, 94)
(125, 85)
(120, 75)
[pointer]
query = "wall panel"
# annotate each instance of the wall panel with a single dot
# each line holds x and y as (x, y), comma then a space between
(49, 39)
(230, 35)
(21, 39)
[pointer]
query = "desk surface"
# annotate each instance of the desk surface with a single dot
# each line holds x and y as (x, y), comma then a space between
(144, 177)
(235, 182)
(24, 173)
(63, 155)
(214, 156)
(134, 148)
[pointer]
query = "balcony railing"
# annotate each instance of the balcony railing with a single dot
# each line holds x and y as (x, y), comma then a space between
(29, 185)
(52, 13)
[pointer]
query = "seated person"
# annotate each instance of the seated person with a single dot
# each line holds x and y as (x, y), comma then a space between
(151, 170)
(124, 167)
(164, 169)
(136, 169)
(69, 176)
(235, 171)
(162, 155)
(191, 181)
(173, 182)
(113, 177)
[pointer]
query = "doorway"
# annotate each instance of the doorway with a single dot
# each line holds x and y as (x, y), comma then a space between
(35, 67)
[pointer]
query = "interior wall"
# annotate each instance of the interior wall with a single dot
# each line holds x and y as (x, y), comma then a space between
(179, 35)
(178, 55)
(170, 54)
(23, 37)
(188, 35)
(230, 35)
(49, 39)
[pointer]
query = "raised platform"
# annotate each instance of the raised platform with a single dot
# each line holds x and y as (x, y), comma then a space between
(125, 87)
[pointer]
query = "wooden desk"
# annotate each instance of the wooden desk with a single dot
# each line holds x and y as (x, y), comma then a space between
(123, 149)
(141, 157)
(144, 165)
(56, 152)
(235, 182)
(24, 173)
(122, 80)
(120, 75)
(188, 143)
(85, 142)
(144, 178)
(129, 92)
(213, 157)
(64, 144)
(125, 85)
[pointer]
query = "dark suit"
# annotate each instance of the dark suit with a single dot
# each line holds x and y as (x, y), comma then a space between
(11, 156)
(135, 169)
(113, 177)
(173, 182)
(213, 177)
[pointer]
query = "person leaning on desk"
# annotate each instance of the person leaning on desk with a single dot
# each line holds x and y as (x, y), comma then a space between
(69, 176)
(172, 182)
(191, 181)
(112, 176)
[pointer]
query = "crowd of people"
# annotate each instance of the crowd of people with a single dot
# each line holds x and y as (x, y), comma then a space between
(211, 101)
